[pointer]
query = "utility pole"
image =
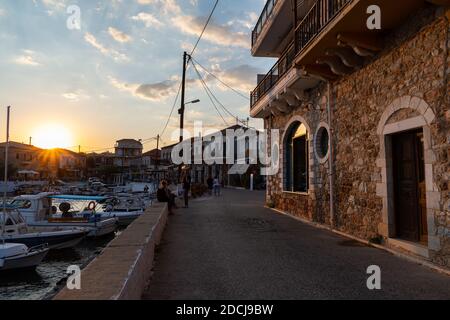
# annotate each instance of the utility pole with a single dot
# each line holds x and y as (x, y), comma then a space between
(183, 91)
(181, 111)
(31, 139)
(157, 151)
(79, 149)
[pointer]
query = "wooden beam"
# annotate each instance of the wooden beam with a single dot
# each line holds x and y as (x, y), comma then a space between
(290, 99)
(320, 72)
(366, 40)
(299, 94)
(279, 104)
(347, 55)
(335, 64)
(358, 50)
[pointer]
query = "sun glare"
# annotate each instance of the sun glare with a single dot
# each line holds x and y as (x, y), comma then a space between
(52, 136)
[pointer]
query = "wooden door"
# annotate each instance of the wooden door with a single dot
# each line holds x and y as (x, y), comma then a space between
(406, 169)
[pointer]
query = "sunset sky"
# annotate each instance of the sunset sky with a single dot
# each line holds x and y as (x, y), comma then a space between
(117, 77)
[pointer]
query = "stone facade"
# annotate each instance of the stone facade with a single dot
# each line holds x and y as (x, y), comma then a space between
(404, 86)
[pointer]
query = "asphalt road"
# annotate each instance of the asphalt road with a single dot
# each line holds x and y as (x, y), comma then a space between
(233, 248)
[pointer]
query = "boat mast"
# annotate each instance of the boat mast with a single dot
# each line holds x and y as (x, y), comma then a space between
(5, 190)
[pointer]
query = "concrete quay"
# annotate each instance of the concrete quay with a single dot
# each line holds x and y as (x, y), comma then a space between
(123, 269)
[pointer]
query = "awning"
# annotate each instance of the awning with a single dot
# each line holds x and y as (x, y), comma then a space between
(28, 172)
(80, 198)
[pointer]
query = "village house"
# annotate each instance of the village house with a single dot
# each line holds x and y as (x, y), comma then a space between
(363, 116)
(236, 174)
(128, 157)
(27, 162)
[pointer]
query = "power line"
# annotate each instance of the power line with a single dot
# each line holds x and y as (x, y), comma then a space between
(204, 28)
(222, 82)
(190, 56)
(171, 111)
(221, 104)
(208, 94)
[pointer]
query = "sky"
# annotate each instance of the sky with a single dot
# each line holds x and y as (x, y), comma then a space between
(118, 74)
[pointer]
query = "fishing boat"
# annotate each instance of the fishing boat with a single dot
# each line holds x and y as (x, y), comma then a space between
(16, 230)
(40, 213)
(14, 256)
(124, 209)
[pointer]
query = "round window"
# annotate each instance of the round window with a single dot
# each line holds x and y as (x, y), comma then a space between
(322, 143)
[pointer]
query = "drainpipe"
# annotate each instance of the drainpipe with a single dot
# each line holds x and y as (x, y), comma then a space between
(331, 156)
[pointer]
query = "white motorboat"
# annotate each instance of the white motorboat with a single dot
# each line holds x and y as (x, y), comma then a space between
(124, 209)
(39, 213)
(17, 231)
(14, 256)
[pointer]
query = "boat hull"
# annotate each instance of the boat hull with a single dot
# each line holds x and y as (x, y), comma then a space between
(95, 229)
(27, 261)
(54, 240)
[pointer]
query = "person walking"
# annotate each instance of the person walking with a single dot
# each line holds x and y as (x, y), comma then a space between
(216, 185)
(186, 189)
(210, 183)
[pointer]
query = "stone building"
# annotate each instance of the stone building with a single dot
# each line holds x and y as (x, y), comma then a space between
(128, 157)
(363, 116)
(32, 163)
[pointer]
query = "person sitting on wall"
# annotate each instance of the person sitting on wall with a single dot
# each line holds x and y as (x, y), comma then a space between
(165, 196)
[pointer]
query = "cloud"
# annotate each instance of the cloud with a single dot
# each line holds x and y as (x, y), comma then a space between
(218, 34)
(242, 77)
(148, 19)
(166, 6)
(117, 56)
(249, 22)
(54, 5)
(158, 91)
(27, 59)
(75, 96)
(118, 35)
(57, 4)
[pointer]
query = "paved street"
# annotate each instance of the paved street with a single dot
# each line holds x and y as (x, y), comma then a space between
(233, 248)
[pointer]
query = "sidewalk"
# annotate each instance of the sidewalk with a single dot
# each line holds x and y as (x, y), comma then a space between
(233, 248)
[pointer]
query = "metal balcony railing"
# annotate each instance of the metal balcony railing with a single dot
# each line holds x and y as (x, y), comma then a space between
(321, 13)
(267, 11)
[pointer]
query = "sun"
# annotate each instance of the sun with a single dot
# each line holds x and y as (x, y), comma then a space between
(52, 136)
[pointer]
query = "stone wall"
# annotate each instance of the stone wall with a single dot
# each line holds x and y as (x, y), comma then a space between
(123, 269)
(415, 64)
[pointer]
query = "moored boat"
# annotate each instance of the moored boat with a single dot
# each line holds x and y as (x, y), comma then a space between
(40, 213)
(17, 231)
(15, 256)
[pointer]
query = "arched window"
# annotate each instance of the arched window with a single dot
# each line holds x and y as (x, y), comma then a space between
(296, 158)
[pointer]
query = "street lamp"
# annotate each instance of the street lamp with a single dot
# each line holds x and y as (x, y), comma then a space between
(181, 110)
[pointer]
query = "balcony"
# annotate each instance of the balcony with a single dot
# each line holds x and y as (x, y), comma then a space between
(330, 41)
(272, 29)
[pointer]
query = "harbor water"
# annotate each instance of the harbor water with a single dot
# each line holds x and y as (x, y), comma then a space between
(51, 275)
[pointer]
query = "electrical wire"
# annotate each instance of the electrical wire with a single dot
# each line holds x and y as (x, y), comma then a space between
(222, 82)
(217, 100)
(209, 96)
(204, 28)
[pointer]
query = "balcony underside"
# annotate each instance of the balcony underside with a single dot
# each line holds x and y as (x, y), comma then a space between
(275, 31)
(287, 94)
(340, 48)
